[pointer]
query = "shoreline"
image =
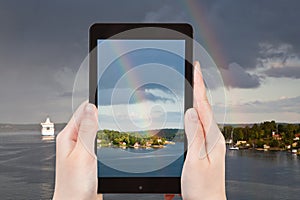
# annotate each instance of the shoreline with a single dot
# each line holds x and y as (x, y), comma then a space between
(273, 149)
(134, 147)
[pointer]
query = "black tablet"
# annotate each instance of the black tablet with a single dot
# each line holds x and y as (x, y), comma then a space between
(141, 82)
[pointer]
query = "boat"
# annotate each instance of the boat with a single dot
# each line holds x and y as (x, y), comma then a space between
(47, 130)
(232, 146)
(294, 151)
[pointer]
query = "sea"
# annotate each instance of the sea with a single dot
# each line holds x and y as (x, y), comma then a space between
(27, 164)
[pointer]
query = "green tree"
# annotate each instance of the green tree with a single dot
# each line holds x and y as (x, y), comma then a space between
(132, 140)
(259, 143)
(227, 131)
(274, 143)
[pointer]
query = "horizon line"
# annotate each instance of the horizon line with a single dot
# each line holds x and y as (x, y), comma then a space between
(226, 123)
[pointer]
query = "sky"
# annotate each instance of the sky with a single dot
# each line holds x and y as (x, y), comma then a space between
(255, 44)
(141, 84)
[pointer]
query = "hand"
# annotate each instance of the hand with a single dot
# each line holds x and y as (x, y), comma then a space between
(76, 162)
(203, 176)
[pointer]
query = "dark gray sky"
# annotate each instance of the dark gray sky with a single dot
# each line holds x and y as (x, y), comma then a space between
(42, 44)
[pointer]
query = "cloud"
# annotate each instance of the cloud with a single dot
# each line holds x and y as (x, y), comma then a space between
(126, 96)
(36, 44)
(40, 52)
(165, 13)
(28, 96)
(279, 61)
(276, 56)
(154, 95)
(236, 77)
(281, 105)
(290, 72)
(240, 26)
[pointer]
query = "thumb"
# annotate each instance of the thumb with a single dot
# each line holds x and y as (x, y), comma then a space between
(193, 130)
(88, 128)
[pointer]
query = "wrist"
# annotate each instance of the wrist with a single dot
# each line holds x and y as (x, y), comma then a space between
(74, 197)
(215, 195)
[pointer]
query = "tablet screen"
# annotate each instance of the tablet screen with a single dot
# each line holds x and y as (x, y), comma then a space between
(140, 98)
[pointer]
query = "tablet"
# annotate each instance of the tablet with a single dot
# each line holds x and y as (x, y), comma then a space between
(141, 81)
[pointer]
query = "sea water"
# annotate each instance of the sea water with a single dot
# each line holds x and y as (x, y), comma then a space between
(27, 166)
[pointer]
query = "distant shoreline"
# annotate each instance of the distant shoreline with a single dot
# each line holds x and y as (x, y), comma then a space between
(27, 127)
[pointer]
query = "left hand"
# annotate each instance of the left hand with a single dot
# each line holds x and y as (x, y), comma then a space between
(76, 162)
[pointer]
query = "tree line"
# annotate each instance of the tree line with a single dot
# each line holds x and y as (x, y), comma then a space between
(142, 138)
(260, 134)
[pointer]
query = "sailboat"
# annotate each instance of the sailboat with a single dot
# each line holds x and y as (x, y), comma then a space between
(232, 147)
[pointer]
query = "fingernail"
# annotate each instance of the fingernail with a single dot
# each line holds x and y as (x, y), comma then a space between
(90, 108)
(193, 115)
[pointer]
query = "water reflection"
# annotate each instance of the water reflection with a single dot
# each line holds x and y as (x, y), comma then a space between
(259, 172)
(26, 166)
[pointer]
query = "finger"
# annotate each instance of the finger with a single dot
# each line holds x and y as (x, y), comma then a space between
(194, 131)
(71, 129)
(211, 131)
(67, 138)
(169, 196)
(199, 86)
(88, 128)
(200, 99)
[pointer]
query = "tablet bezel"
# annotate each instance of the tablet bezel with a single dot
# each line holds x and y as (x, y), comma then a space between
(107, 30)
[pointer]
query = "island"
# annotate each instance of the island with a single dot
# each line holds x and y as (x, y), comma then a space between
(139, 139)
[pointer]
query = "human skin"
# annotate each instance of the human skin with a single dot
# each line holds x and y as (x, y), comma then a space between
(76, 162)
(203, 177)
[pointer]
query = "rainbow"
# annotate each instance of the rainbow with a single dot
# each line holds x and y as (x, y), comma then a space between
(132, 81)
(211, 43)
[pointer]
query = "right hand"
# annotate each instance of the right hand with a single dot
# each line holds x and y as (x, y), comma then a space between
(203, 178)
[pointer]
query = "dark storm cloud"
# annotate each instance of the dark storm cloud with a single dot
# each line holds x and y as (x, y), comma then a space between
(241, 26)
(289, 72)
(55, 33)
(43, 45)
(236, 77)
(44, 42)
(166, 13)
(279, 61)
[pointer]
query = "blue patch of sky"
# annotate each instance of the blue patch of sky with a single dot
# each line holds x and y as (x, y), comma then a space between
(116, 57)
